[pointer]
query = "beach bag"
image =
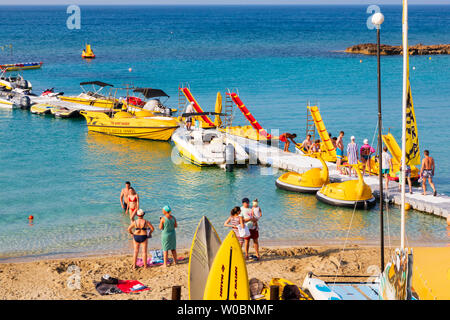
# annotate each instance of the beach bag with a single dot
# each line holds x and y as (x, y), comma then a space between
(109, 280)
(290, 292)
(243, 232)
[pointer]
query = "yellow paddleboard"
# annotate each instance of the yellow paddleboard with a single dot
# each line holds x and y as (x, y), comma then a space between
(228, 279)
(205, 245)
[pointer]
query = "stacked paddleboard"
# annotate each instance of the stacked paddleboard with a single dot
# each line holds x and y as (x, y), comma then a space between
(216, 271)
(204, 247)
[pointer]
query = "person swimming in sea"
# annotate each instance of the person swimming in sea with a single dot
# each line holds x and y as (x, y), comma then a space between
(143, 230)
(133, 203)
(124, 196)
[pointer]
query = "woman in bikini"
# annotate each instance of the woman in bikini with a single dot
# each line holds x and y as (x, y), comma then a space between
(140, 236)
(133, 203)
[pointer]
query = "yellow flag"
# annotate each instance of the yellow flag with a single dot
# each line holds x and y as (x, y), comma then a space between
(412, 135)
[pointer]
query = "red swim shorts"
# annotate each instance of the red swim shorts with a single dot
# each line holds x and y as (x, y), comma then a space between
(254, 234)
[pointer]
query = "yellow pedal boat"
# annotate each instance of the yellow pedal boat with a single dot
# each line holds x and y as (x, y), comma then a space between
(124, 124)
(351, 193)
(309, 182)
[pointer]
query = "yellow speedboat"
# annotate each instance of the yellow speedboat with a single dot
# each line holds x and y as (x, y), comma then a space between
(124, 124)
(93, 97)
(352, 193)
(309, 182)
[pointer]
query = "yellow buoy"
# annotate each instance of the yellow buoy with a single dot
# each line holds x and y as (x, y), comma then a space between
(407, 206)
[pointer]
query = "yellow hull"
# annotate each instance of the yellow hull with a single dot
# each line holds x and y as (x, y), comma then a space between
(431, 273)
(247, 132)
(152, 128)
(101, 103)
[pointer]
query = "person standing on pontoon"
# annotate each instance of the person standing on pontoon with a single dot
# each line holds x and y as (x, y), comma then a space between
(352, 155)
(340, 151)
(189, 109)
(285, 137)
(366, 151)
(427, 172)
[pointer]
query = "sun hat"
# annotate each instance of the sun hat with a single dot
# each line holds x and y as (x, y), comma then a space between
(366, 141)
(167, 208)
(140, 212)
(245, 200)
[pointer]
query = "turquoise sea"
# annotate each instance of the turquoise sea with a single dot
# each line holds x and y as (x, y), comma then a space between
(279, 57)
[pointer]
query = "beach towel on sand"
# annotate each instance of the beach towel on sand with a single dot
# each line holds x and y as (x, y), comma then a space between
(124, 286)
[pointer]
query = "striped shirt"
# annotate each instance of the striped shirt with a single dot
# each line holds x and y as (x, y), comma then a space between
(352, 153)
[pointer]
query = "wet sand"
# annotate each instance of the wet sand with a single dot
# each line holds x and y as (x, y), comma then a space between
(55, 279)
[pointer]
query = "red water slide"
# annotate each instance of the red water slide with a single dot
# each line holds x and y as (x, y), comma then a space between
(197, 107)
(247, 114)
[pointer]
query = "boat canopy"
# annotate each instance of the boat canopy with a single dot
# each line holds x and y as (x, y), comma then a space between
(98, 83)
(151, 93)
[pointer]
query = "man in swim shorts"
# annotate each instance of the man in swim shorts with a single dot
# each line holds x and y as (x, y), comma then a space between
(340, 151)
(124, 196)
(427, 172)
(285, 137)
(251, 222)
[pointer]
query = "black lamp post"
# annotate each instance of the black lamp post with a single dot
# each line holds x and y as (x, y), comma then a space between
(377, 20)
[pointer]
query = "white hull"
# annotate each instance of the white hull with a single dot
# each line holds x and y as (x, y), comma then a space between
(206, 147)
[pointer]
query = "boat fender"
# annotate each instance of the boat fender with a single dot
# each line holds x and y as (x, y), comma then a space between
(25, 102)
(229, 157)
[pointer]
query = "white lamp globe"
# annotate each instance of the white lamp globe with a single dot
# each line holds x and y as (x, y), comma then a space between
(377, 18)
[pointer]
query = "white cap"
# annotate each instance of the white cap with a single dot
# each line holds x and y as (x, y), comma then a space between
(366, 141)
(140, 212)
(352, 138)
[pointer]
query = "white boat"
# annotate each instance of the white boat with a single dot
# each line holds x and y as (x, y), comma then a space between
(12, 81)
(208, 147)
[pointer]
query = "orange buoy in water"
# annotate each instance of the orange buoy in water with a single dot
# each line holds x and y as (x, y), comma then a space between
(407, 206)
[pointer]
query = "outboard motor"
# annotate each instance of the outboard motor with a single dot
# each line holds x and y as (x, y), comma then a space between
(230, 157)
(25, 102)
(167, 112)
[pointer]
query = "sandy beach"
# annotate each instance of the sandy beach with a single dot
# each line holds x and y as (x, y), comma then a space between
(55, 279)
